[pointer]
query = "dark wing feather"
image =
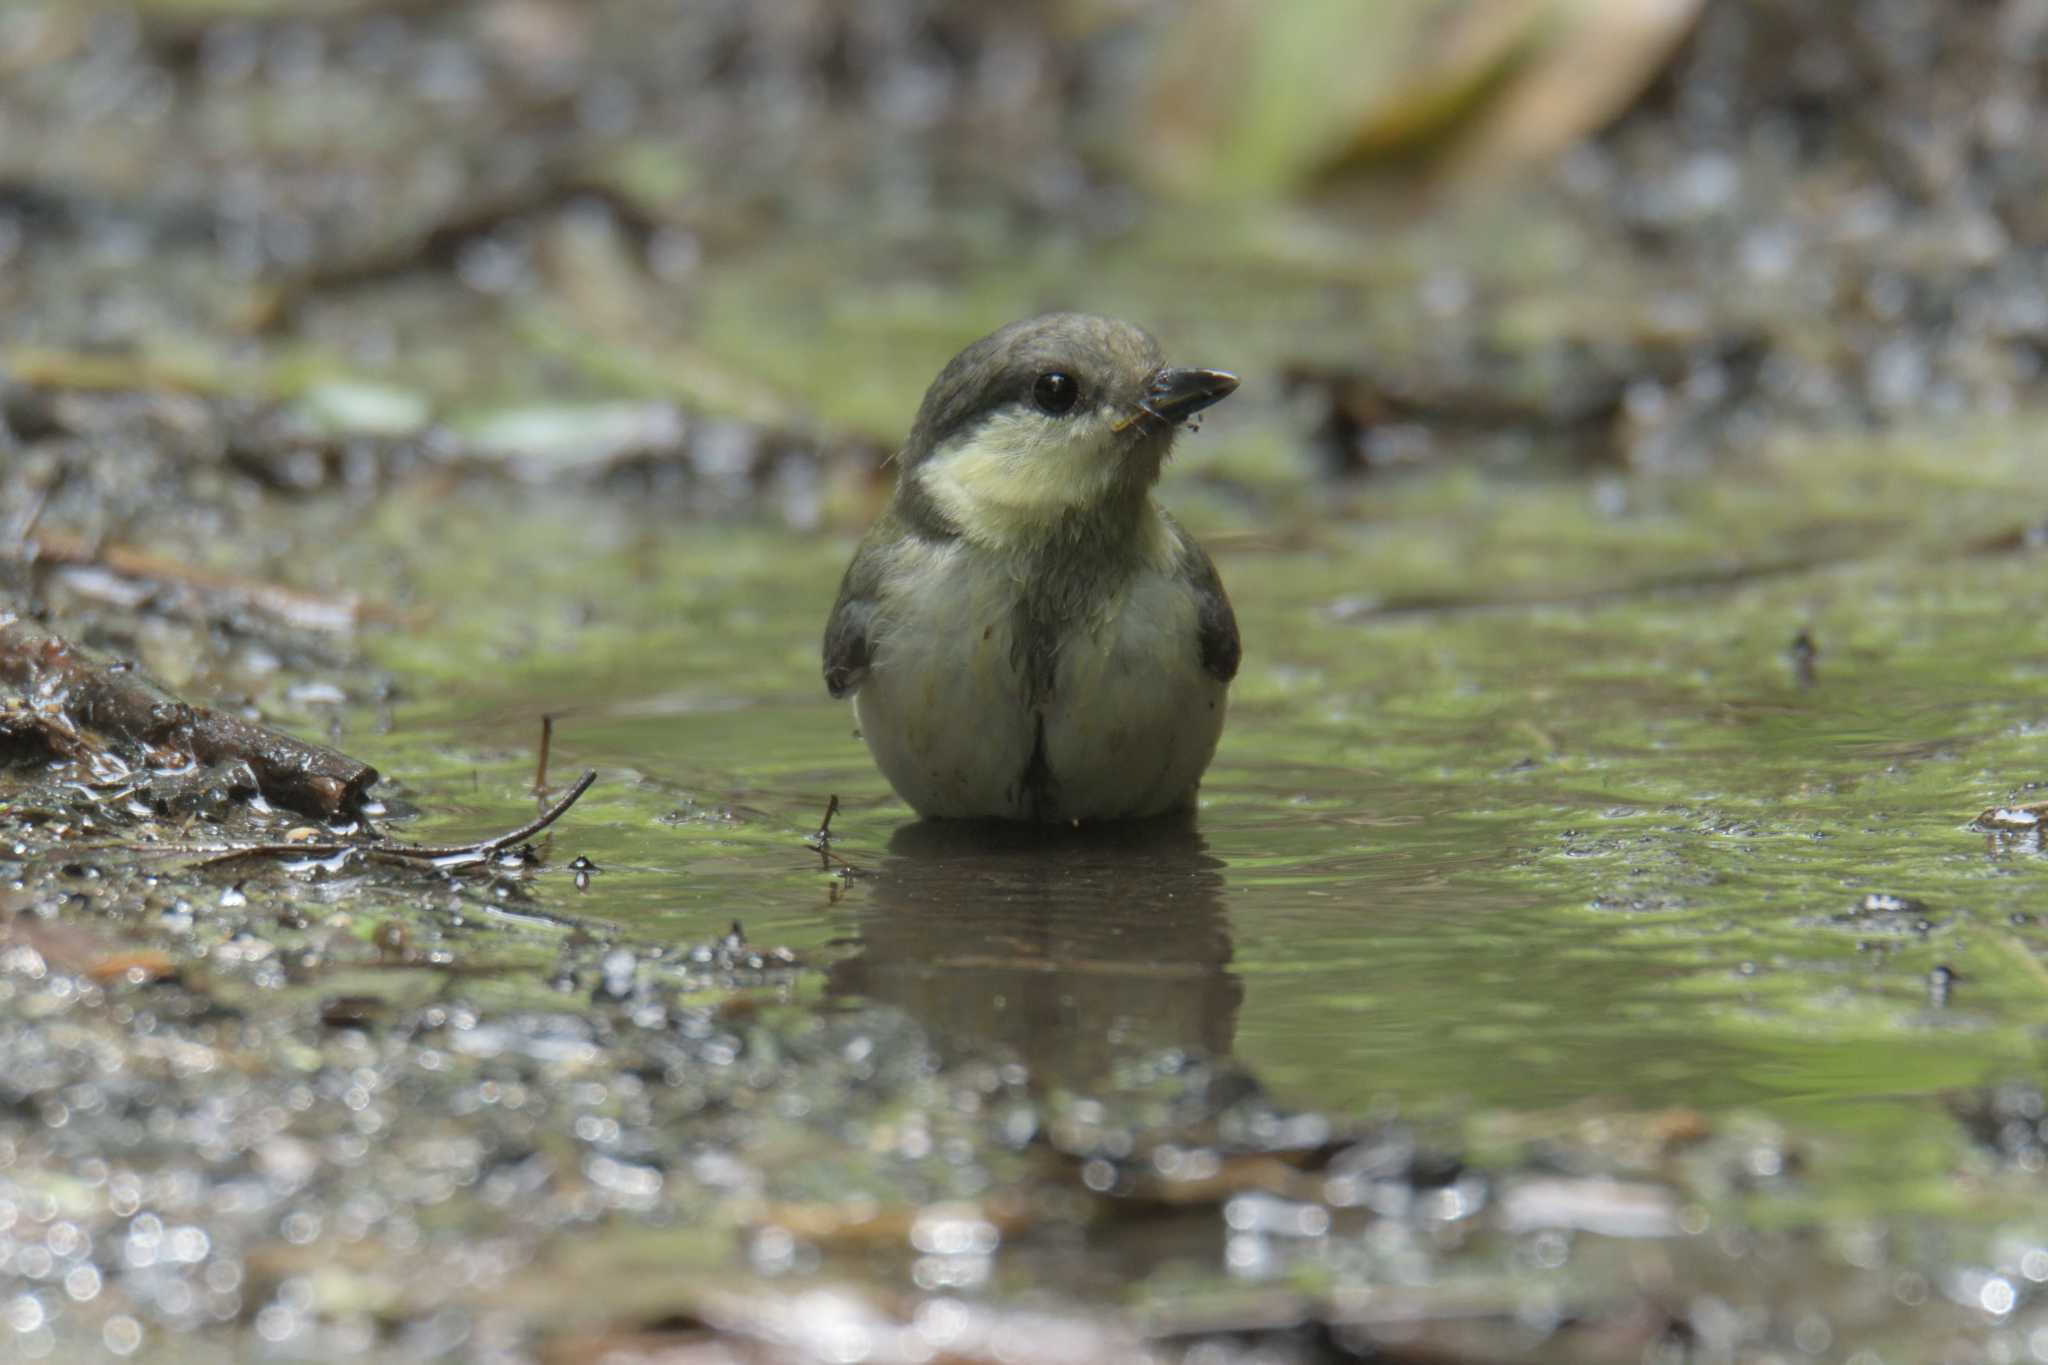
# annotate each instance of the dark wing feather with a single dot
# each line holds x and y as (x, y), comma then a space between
(847, 646)
(1215, 622)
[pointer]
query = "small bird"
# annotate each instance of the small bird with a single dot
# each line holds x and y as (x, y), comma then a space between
(1025, 633)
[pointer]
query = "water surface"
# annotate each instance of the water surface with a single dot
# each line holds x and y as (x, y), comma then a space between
(1573, 836)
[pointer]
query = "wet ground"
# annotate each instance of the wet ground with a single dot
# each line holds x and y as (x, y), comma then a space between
(1612, 927)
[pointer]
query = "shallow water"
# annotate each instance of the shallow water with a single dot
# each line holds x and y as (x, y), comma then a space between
(1533, 827)
(1604, 852)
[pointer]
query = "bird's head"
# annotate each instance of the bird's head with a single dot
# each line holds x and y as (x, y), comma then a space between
(1047, 418)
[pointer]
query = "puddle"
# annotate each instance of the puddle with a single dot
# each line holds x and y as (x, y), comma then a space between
(1530, 857)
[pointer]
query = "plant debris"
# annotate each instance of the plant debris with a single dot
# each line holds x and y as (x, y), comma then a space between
(377, 849)
(70, 701)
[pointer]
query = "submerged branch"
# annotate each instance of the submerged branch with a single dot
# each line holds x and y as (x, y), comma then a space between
(384, 850)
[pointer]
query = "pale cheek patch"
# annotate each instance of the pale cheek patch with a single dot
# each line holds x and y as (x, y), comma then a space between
(1018, 471)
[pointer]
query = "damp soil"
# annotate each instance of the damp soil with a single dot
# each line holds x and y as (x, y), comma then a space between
(1612, 930)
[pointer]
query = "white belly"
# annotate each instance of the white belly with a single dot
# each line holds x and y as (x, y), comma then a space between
(943, 708)
(1130, 726)
(1134, 718)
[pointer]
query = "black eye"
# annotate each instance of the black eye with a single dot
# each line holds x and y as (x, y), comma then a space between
(1055, 392)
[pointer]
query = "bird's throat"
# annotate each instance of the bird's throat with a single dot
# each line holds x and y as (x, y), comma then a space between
(1020, 484)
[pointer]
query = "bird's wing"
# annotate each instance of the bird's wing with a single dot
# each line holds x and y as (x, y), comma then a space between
(1215, 622)
(847, 649)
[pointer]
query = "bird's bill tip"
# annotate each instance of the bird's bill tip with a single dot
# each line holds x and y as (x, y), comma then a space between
(1177, 395)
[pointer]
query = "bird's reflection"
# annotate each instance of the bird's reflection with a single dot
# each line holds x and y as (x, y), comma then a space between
(1069, 948)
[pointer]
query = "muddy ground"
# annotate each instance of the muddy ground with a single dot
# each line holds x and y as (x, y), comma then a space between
(1612, 931)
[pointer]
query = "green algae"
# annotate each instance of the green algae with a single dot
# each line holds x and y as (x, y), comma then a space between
(1579, 835)
(1526, 821)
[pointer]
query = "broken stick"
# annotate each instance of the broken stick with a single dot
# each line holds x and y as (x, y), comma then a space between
(381, 849)
(116, 700)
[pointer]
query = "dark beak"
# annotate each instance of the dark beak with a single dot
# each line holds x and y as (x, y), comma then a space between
(1177, 395)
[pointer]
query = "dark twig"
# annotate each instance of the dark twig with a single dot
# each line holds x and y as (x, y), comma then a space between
(822, 841)
(1804, 654)
(384, 850)
(547, 740)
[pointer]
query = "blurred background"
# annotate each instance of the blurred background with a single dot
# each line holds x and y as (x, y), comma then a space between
(1624, 233)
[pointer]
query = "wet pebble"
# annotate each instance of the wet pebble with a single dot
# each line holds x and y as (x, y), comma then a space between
(618, 973)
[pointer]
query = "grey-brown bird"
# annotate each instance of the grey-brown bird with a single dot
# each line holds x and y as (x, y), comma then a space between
(1025, 633)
